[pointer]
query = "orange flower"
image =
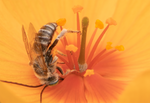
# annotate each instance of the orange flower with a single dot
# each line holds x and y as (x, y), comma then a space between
(109, 60)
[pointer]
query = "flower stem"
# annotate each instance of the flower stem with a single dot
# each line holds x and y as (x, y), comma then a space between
(85, 22)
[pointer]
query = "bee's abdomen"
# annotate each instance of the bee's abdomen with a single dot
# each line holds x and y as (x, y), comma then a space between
(45, 35)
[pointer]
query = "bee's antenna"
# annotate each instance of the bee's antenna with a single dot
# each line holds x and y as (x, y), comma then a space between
(42, 93)
(21, 84)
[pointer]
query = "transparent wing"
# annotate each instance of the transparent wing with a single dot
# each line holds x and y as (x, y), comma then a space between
(33, 46)
(25, 40)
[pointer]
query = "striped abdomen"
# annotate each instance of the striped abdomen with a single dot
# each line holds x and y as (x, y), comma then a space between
(44, 36)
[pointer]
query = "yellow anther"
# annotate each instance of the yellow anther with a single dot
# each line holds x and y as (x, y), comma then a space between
(120, 48)
(71, 48)
(109, 43)
(77, 8)
(111, 21)
(108, 46)
(89, 73)
(99, 24)
(61, 22)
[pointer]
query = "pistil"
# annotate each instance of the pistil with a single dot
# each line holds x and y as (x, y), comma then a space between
(81, 60)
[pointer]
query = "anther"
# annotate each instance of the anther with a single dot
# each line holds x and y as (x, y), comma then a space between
(77, 8)
(71, 48)
(99, 24)
(108, 46)
(61, 22)
(120, 48)
(111, 21)
(89, 73)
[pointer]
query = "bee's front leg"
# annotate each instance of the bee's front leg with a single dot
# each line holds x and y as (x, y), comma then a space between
(60, 70)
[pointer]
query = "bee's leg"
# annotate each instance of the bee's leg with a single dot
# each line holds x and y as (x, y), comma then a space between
(60, 78)
(42, 93)
(62, 33)
(69, 71)
(55, 59)
(60, 63)
(60, 53)
(60, 70)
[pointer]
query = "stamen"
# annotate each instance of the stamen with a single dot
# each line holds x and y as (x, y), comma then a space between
(77, 8)
(96, 44)
(64, 42)
(78, 34)
(75, 61)
(99, 24)
(89, 73)
(85, 22)
(96, 59)
(68, 64)
(88, 47)
(100, 57)
(73, 49)
(120, 48)
(111, 21)
(108, 46)
(68, 54)
(61, 22)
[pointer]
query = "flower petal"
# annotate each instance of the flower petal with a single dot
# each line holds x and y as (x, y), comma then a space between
(131, 31)
(27, 11)
(71, 90)
(102, 90)
(138, 90)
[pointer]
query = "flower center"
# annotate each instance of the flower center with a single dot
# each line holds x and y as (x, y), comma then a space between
(76, 54)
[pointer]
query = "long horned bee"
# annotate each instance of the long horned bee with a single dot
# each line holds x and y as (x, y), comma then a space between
(41, 54)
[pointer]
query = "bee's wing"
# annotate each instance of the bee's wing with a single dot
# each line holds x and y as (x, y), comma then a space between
(29, 45)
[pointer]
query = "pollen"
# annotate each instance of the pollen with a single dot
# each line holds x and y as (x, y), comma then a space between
(89, 73)
(61, 22)
(99, 24)
(77, 8)
(108, 46)
(120, 48)
(111, 21)
(71, 48)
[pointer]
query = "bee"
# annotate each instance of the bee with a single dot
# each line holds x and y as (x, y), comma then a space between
(42, 54)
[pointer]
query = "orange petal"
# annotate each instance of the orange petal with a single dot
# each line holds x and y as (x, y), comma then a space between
(67, 91)
(138, 88)
(102, 90)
